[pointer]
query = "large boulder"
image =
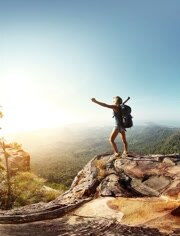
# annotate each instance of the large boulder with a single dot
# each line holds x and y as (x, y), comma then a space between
(132, 176)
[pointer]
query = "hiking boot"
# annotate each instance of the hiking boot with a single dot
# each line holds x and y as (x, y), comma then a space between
(117, 154)
(125, 154)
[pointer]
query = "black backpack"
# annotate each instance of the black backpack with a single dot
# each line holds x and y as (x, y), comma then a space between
(126, 116)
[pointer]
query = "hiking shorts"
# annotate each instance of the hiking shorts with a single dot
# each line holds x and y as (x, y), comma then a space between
(120, 128)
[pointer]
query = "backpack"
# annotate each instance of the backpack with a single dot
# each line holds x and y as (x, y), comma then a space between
(126, 116)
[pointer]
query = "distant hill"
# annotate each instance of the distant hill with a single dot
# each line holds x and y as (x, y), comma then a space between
(58, 154)
(155, 139)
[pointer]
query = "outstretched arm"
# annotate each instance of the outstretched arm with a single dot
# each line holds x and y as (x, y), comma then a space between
(103, 104)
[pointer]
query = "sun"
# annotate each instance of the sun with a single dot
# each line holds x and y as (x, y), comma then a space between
(25, 108)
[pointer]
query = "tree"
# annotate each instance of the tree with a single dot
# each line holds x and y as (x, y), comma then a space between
(6, 155)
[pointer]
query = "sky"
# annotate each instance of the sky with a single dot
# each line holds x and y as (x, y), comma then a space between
(55, 55)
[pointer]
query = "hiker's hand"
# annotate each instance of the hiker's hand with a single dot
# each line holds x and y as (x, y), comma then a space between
(93, 99)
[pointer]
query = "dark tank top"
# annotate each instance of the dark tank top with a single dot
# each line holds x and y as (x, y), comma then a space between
(118, 117)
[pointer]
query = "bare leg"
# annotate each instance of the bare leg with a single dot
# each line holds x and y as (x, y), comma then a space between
(123, 138)
(112, 137)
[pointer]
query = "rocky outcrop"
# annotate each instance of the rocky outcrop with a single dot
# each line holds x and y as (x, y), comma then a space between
(131, 176)
(84, 226)
(105, 175)
(19, 186)
(18, 159)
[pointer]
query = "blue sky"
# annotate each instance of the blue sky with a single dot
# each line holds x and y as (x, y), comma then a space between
(56, 55)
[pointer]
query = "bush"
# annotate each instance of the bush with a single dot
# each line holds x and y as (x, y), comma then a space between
(26, 188)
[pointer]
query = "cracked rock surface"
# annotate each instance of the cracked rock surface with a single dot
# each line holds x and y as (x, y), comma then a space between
(153, 176)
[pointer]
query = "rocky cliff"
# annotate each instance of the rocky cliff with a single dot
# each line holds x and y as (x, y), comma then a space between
(19, 186)
(133, 176)
(134, 192)
(18, 159)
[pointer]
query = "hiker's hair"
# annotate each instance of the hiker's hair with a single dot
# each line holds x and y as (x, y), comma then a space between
(118, 100)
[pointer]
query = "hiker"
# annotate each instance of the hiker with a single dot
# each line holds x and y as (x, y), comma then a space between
(118, 128)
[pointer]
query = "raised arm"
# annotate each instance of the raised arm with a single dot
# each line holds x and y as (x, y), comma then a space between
(103, 104)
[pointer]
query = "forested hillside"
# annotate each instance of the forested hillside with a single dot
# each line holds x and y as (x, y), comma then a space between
(60, 154)
(154, 139)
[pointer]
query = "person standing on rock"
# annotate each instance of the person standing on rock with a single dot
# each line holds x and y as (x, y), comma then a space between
(118, 128)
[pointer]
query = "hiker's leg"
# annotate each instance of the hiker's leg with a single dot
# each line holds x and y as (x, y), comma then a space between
(112, 137)
(123, 137)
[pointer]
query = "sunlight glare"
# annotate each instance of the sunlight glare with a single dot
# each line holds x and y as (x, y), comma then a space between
(25, 110)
